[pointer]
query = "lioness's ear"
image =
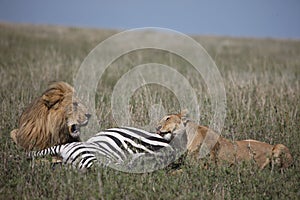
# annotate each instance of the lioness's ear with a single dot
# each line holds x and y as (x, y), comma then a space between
(52, 97)
(184, 113)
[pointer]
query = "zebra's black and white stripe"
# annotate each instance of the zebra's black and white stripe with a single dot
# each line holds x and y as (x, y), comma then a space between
(111, 146)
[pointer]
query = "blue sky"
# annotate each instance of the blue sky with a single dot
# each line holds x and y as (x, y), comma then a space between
(251, 18)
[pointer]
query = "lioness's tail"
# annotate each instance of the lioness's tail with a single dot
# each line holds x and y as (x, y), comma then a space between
(281, 156)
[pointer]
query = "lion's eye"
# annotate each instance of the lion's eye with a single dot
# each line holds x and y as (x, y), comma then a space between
(167, 118)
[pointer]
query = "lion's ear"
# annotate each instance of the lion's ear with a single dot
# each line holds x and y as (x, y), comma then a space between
(52, 97)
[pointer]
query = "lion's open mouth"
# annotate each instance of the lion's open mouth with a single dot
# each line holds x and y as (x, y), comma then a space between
(75, 130)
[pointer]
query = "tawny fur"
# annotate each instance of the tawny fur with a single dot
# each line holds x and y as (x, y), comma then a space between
(47, 120)
(223, 150)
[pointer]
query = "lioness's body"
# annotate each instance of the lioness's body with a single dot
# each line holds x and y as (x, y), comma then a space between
(223, 150)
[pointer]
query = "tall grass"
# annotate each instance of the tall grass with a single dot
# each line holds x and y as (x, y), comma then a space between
(261, 77)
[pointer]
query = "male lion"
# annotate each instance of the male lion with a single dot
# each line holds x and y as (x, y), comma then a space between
(222, 149)
(51, 119)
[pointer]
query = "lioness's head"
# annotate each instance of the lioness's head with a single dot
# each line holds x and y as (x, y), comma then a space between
(171, 123)
(54, 118)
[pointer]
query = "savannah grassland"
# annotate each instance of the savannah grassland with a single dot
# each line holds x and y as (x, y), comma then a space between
(262, 81)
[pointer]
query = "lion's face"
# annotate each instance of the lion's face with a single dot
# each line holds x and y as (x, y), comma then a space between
(76, 116)
(169, 124)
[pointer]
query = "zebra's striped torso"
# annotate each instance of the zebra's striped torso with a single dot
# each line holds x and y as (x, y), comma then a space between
(112, 146)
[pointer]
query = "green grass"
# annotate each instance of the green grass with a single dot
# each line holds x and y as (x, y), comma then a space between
(262, 81)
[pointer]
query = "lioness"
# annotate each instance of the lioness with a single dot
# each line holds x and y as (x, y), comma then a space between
(222, 149)
(53, 118)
